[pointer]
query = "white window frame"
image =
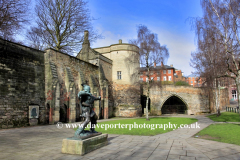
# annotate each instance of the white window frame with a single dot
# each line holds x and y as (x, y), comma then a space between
(169, 71)
(158, 78)
(151, 78)
(164, 78)
(119, 75)
(146, 79)
(234, 94)
(169, 78)
(164, 71)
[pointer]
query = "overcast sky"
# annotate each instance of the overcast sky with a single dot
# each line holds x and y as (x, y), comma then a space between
(117, 19)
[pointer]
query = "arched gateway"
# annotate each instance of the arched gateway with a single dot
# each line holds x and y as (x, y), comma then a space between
(171, 99)
(174, 105)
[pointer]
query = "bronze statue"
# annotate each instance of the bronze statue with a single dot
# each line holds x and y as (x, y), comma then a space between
(86, 104)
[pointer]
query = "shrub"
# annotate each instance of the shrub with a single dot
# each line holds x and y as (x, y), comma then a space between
(181, 83)
(166, 82)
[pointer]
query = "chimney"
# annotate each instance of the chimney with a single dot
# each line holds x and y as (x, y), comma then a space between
(162, 64)
(171, 65)
(86, 37)
(154, 64)
(85, 48)
(120, 41)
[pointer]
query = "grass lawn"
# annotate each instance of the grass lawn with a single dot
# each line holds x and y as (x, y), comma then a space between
(227, 133)
(153, 127)
(226, 117)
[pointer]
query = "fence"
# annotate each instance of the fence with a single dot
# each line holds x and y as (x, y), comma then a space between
(232, 109)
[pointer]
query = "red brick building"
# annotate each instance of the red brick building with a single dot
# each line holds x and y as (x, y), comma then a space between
(179, 75)
(194, 80)
(158, 73)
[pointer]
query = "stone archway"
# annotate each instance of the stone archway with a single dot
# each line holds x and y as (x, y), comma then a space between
(47, 113)
(78, 112)
(174, 105)
(63, 113)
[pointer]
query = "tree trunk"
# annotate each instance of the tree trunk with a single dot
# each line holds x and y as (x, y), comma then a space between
(148, 89)
(147, 102)
(216, 94)
(237, 81)
(148, 86)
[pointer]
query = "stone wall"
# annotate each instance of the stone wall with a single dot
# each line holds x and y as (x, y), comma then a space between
(21, 84)
(126, 100)
(69, 73)
(107, 69)
(197, 100)
(224, 99)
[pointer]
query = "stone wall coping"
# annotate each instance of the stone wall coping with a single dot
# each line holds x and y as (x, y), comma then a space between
(69, 56)
(117, 49)
(115, 45)
(18, 44)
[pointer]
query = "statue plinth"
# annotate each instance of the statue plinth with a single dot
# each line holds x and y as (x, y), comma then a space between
(85, 134)
(83, 146)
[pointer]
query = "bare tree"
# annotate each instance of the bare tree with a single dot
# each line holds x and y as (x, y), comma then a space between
(219, 29)
(61, 23)
(150, 52)
(13, 16)
(35, 41)
(208, 64)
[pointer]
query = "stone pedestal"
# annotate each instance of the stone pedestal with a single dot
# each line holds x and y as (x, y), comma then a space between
(33, 121)
(81, 147)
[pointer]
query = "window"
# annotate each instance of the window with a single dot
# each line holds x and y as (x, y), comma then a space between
(164, 71)
(158, 72)
(234, 94)
(141, 79)
(151, 78)
(191, 81)
(194, 81)
(164, 78)
(119, 75)
(169, 71)
(158, 78)
(170, 78)
(151, 73)
(146, 79)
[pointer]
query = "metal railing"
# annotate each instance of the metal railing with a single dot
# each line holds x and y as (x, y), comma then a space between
(232, 109)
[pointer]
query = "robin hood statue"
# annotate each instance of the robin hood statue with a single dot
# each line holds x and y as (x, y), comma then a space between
(87, 105)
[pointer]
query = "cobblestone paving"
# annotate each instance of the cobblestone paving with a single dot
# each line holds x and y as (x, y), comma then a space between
(45, 142)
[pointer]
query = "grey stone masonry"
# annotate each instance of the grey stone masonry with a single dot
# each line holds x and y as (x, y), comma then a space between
(21, 83)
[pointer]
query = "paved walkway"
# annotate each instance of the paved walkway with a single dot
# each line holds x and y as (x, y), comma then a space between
(45, 142)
